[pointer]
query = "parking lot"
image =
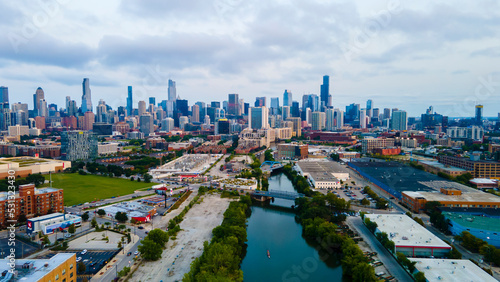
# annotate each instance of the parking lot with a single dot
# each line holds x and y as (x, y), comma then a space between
(353, 194)
(93, 260)
(22, 249)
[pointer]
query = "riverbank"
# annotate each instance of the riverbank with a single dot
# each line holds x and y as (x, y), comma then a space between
(196, 228)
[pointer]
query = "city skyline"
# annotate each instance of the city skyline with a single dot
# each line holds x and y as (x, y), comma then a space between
(403, 64)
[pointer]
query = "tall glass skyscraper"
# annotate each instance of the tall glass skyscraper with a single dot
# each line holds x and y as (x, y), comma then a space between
(172, 92)
(325, 91)
(287, 98)
(129, 101)
(479, 114)
(86, 97)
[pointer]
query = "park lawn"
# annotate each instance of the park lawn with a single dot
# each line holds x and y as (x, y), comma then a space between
(87, 188)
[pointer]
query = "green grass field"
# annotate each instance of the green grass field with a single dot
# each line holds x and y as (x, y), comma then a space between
(87, 188)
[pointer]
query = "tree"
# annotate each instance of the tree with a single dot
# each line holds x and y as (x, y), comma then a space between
(101, 212)
(159, 236)
(36, 179)
(81, 267)
(147, 178)
(365, 202)
(22, 218)
(454, 254)
(72, 229)
(150, 250)
(85, 216)
(364, 272)
(93, 222)
(121, 217)
(372, 226)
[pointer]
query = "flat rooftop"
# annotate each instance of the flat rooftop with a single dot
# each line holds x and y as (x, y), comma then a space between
(132, 209)
(474, 221)
(400, 177)
(442, 166)
(4, 195)
(465, 197)
(451, 270)
(39, 270)
(405, 232)
(321, 169)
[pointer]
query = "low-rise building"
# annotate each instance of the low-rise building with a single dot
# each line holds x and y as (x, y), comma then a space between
(409, 237)
(485, 183)
(436, 167)
(437, 270)
(322, 173)
(481, 226)
(61, 267)
(449, 197)
(387, 151)
(24, 166)
(51, 223)
(368, 144)
(133, 209)
(292, 151)
(107, 148)
(480, 169)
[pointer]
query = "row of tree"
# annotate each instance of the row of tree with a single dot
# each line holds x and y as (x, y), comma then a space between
(381, 202)
(298, 181)
(221, 257)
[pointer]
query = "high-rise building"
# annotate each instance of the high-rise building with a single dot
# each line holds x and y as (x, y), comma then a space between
(296, 126)
(314, 103)
(130, 104)
(233, 105)
(215, 104)
(399, 120)
(78, 145)
(222, 126)
(195, 113)
(4, 96)
(172, 92)
(330, 119)
(325, 91)
(182, 107)
(146, 124)
(351, 113)
(285, 112)
(295, 110)
(362, 118)
(258, 118)
(318, 121)
(183, 120)
(479, 115)
(201, 110)
(287, 98)
(43, 111)
(88, 120)
(275, 105)
(305, 102)
(369, 107)
(387, 113)
(142, 108)
(152, 100)
(260, 102)
(339, 118)
(167, 124)
(86, 96)
(101, 111)
(39, 95)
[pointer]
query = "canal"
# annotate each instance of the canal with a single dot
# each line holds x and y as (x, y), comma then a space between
(273, 227)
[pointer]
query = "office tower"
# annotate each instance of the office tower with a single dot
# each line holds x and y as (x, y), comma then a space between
(183, 120)
(362, 118)
(146, 124)
(479, 114)
(215, 104)
(182, 107)
(318, 121)
(4, 96)
(339, 118)
(313, 102)
(88, 120)
(330, 119)
(387, 113)
(325, 91)
(78, 145)
(170, 108)
(43, 110)
(142, 108)
(246, 106)
(172, 92)
(222, 126)
(287, 98)
(167, 124)
(285, 112)
(206, 121)
(130, 104)
(233, 107)
(101, 111)
(308, 115)
(430, 110)
(393, 110)
(305, 102)
(375, 113)
(399, 120)
(39, 95)
(202, 110)
(275, 105)
(195, 113)
(258, 118)
(260, 102)
(86, 96)
(351, 113)
(72, 108)
(295, 110)
(152, 100)
(369, 108)
(17, 107)
(219, 113)
(296, 126)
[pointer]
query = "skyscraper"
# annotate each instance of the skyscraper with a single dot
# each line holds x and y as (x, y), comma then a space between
(339, 118)
(195, 113)
(399, 120)
(130, 104)
(147, 124)
(86, 97)
(172, 92)
(39, 95)
(330, 119)
(314, 103)
(387, 113)
(215, 104)
(183, 120)
(295, 110)
(479, 114)
(258, 118)
(260, 102)
(142, 108)
(152, 100)
(362, 118)
(167, 124)
(233, 105)
(318, 120)
(275, 105)
(369, 107)
(287, 98)
(325, 91)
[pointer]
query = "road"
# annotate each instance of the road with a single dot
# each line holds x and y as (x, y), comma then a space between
(384, 256)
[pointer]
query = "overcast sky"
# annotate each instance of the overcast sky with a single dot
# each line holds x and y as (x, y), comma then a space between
(401, 55)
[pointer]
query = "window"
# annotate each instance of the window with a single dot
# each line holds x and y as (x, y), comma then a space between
(57, 277)
(64, 271)
(71, 266)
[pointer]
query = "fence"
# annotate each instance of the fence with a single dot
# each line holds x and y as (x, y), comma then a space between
(381, 185)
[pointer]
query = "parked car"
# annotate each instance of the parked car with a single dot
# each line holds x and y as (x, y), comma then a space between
(84, 251)
(129, 254)
(140, 227)
(78, 259)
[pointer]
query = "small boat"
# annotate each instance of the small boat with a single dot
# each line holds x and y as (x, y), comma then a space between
(268, 254)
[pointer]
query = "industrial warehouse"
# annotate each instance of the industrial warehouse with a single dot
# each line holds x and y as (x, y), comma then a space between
(451, 270)
(409, 237)
(322, 174)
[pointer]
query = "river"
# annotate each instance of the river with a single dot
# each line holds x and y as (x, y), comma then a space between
(273, 227)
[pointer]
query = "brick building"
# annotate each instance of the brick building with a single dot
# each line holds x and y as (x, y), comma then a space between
(480, 169)
(32, 201)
